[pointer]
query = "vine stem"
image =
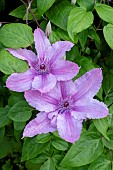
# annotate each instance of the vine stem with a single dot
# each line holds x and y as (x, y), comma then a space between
(28, 8)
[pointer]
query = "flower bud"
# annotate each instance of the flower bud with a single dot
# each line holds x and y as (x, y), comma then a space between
(48, 30)
(73, 2)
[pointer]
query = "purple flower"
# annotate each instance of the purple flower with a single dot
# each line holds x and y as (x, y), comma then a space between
(64, 107)
(46, 69)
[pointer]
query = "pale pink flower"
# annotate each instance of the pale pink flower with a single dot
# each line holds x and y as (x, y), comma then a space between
(66, 106)
(46, 68)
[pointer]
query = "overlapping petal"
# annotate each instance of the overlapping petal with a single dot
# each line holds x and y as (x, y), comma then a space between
(68, 127)
(41, 124)
(89, 84)
(64, 70)
(67, 88)
(42, 102)
(44, 83)
(93, 109)
(41, 42)
(20, 81)
(58, 50)
(23, 54)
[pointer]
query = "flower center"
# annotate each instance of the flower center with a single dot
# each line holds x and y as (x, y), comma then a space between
(42, 67)
(66, 104)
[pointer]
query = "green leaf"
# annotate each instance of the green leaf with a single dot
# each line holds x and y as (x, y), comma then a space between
(70, 168)
(108, 34)
(111, 108)
(19, 12)
(93, 35)
(1, 46)
(2, 133)
(101, 164)
(58, 14)
(41, 158)
(10, 64)
(30, 17)
(4, 119)
(85, 63)
(7, 166)
(109, 144)
(48, 165)
(5, 148)
(16, 35)
(64, 35)
(102, 126)
(83, 37)
(31, 148)
(100, 94)
(43, 138)
(84, 151)
(79, 19)
(108, 82)
(60, 144)
(14, 98)
(86, 4)
(105, 12)
(30, 166)
(44, 5)
(74, 54)
(20, 112)
(19, 125)
(54, 37)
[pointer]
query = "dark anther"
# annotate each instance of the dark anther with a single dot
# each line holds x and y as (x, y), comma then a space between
(66, 104)
(42, 66)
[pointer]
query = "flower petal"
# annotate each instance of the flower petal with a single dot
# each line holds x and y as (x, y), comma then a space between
(66, 88)
(41, 42)
(68, 127)
(42, 102)
(93, 109)
(44, 83)
(20, 82)
(58, 49)
(64, 70)
(23, 54)
(41, 124)
(89, 84)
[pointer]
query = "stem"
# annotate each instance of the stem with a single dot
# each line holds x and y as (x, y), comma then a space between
(34, 17)
(23, 2)
(28, 8)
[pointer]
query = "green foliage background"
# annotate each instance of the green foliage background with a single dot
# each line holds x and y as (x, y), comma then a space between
(89, 25)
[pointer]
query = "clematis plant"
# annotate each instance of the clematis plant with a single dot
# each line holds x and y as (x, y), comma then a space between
(66, 106)
(46, 68)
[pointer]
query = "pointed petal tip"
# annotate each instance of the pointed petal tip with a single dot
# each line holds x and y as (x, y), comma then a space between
(23, 81)
(38, 30)
(99, 70)
(41, 124)
(8, 49)
(96, 71)
(71, 44)
(41, 42)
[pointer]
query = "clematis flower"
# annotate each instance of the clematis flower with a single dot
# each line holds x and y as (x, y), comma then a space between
(64, 107)
(46, 68)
